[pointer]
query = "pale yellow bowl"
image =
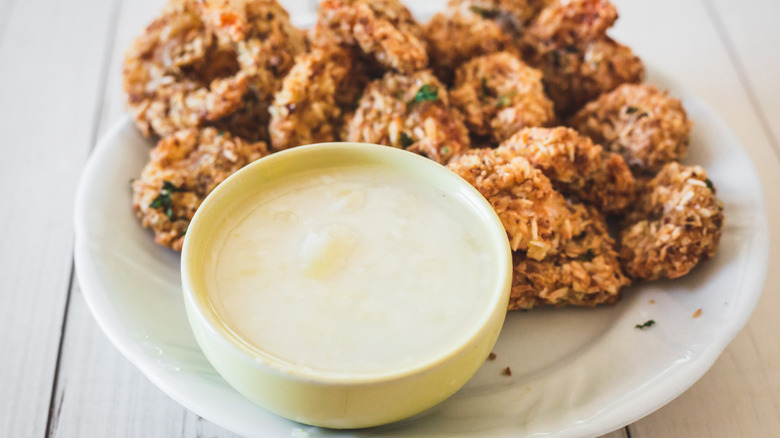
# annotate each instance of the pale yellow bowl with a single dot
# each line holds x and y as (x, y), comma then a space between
(340, 400)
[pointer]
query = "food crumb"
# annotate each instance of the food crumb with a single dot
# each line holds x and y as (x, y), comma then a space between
(697, 313)
(649, 323)
(507, 371)
(492, 356)
(652, 301)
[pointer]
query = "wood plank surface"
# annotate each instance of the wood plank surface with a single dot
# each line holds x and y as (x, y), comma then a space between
(50, 87)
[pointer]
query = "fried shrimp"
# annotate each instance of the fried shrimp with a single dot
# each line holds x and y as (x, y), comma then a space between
(675, 224)
(538, 220)
(568, 42)
(451, 39)
(410, 112)
(210, 63)
(646, 126)
(499, 95)
(183, 169)
(383, 29)
(575, 165)
(320, 89)
(585, 273)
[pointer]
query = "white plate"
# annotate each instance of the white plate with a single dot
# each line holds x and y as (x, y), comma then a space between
(575, 372)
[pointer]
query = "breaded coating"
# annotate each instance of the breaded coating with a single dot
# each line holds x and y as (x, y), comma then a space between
(383, 29)
(675, 224)
(586, 273)
(455, 35)
(183, 169)
(410, 112)
(646, 126)
(322, 87)
(576, 166)
(513, 15)
(568, 42)
(203, 62)
(538, 220)
(499, 95)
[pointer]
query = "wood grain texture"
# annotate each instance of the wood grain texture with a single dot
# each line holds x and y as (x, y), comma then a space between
(49, 89)
(751, 37)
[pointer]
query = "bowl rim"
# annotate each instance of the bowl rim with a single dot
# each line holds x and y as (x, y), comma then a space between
(492, 228)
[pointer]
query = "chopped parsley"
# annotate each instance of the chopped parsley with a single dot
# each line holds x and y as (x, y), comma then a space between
(649, 323)
(631, 110)
(219, 133)
(400, 95)
(588, 256)
(505, 99)
(163, 200)
(485, 12)
(445, 150)
(709, 185)
(406, 141)
(425, 93)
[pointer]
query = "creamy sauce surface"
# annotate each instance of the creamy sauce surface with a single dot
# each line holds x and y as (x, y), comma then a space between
(352, 270)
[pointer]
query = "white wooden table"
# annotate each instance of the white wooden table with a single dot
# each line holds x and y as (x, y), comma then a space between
(60, 91)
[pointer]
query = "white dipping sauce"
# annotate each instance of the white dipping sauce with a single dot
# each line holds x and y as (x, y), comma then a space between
(352, 270)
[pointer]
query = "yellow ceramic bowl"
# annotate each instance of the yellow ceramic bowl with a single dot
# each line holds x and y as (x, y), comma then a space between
(327, 399)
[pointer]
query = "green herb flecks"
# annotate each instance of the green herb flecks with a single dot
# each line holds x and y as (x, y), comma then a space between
(505, 99)
(425, 93)
(221, 133)
(163, 200)
(485, 89)
(649, 323)
(709, 185)
(406, 141)
(631, 110)
(588, 256)
(445, 150)
(485, 12)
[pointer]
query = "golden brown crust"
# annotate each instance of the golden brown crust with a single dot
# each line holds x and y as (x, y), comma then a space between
(410, 112)
(585, 273)
(456, 35)
(538, 220)
(568, 42)
(512, 15)
(383, 29)
(183, 169)
(320, 89)
(675, 224)
(575, 165)
(499, 94)
(201, 63)
(646, 126)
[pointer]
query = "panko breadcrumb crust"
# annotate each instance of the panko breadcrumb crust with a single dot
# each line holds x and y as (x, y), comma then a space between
(512, 15)
(646, 126)
(201, 63)
(183, 169)
(383, 29)
(537, 219)
(499, 94)
(568, 42)
(585, 273)
(575, 165)
(675, 224)
(409, 112)
(322, 87)
(451, 40)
